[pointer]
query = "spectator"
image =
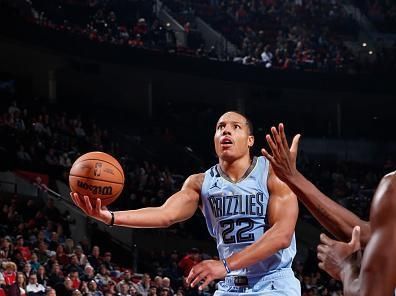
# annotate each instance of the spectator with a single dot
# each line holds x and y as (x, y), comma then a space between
(103, 278)
(74, 266)
(21, 281)
(61, 256)
(94, 258)
(27, 270)
(33, 288)
(107, 261)
(124, 290)
(74, 277)
(126, 279)
(50, 292)
(89, 273)
(8, 276)
(25, 251)
(34, 264)
(43, 253)
(82, 259)
(42, 276)
(55, 276)
(93, 289)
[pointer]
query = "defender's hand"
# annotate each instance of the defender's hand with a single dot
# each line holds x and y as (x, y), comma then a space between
(333, 254)
(283, 158)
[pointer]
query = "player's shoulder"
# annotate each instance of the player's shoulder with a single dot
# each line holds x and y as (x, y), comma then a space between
(391, 178)
(388, 184)
(384, 201)
(195, 181)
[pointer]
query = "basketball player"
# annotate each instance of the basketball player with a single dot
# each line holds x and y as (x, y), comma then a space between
(375, 272)
(250, 212)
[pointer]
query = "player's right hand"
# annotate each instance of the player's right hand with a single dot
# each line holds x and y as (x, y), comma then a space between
(283, 159)
(94, 210)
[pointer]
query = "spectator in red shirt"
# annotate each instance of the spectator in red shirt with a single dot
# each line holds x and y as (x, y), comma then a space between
(187, 262)
(25, 251)
(75, 279)
(8, 276)
(61, 256)
(141, 27)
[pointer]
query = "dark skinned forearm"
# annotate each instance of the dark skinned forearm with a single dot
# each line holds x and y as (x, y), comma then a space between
(336, 219)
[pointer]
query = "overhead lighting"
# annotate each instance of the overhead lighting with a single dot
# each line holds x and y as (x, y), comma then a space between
(371, 52)
(364, 44)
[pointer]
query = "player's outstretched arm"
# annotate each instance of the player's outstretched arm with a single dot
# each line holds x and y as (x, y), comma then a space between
(335, 218)
(179, 207)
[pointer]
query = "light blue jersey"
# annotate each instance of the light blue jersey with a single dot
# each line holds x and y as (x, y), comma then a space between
(236, 215)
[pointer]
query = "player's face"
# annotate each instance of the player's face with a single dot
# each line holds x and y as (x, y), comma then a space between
(232, 139)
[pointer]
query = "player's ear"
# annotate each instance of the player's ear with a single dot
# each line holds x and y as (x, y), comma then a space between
(250, 141)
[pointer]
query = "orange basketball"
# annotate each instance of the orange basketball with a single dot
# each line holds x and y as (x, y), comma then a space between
(97, 175)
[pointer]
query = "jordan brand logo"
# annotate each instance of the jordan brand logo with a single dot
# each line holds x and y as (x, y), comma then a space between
(215, 185)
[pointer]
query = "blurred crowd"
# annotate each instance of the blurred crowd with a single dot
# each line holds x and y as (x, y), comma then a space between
(126, 23)
(284, 35)
(304, 35)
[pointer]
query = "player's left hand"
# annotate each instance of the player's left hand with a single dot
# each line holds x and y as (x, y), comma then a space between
(206, 271)
(332, 254)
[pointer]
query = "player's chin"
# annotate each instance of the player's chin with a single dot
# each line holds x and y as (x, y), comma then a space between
(227, 155)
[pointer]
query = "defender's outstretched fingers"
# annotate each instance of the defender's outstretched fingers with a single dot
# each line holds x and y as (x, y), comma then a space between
(325, 240)
(272, 145)
(355, 240)
(321, 266)
(295, 142)
(267, 155)
(320, 257)
(322, 248)
(278, 141)
(283, 137)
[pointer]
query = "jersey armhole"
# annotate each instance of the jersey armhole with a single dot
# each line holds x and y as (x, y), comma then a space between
(200, 203)
(266, 177)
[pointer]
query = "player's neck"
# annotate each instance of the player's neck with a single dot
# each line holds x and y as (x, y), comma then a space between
(237, 168)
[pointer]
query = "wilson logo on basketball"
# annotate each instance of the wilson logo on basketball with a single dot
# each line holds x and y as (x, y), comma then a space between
(101, 190)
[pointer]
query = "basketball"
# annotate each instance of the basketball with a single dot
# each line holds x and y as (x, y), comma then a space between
(97, 175)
